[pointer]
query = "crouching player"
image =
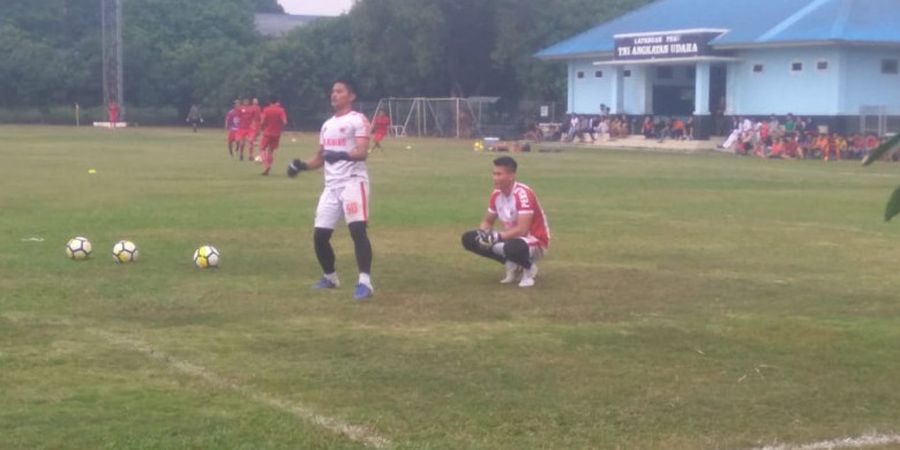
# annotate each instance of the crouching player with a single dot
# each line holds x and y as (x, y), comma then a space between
(526, 233)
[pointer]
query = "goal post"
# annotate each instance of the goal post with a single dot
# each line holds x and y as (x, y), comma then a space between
(447, 117)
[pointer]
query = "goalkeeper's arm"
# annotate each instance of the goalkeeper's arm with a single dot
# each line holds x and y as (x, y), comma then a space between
(521, 229)
(487, 223)
(298, 165)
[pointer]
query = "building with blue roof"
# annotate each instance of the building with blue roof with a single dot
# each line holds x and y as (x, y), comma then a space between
(832, 60)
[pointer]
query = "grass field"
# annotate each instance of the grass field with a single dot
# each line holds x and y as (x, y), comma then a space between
(688, 302)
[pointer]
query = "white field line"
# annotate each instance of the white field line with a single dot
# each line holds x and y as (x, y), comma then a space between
(867, 440)
(356, 433)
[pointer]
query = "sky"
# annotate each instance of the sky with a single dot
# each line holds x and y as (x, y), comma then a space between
(316, 7)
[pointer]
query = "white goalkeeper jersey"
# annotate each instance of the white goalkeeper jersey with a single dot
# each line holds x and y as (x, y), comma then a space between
(339, 134)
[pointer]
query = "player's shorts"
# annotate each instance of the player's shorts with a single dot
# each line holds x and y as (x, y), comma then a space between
(255, 132)
(269, 142)
(350, 201)
(233, 135)
(535, 251)
(379, 136)
(245, 134)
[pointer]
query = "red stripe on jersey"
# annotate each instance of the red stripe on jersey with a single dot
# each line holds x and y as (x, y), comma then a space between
(526, 201)
(362, 189)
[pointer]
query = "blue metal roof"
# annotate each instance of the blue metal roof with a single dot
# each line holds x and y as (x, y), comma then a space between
(751, 23)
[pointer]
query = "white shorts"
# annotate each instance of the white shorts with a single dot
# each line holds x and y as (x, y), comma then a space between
(350, 201)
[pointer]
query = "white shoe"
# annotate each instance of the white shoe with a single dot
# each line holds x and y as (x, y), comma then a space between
(528, 276)
(513, 271)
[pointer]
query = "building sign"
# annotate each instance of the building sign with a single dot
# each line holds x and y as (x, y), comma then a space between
(664, 45)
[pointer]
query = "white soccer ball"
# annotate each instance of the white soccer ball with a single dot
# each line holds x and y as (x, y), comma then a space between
(78, 248)
(257, 159)
(125, 252)
(206, 257)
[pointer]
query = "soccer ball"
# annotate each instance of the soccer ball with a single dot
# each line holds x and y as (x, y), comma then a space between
(257, 159)
(206, 257)
(125, 252)
(78, 248)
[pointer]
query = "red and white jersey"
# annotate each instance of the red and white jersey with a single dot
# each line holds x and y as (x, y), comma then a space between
(521, 200)
(339, 134)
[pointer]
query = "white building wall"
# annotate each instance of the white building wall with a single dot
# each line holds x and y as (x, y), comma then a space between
(777, 89)
(862, 82)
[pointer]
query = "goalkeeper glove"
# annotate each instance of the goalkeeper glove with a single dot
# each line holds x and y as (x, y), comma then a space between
(487, 238)
(296, 166)
(331, 156)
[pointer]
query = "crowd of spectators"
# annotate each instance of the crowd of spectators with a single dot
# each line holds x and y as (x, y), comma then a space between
(586, 128)
(788, 138)
(795, 138)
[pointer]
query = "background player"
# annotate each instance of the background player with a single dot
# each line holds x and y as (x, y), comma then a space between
(194, 117)
(526, 233)
(232, 126)
(255, 124)
(343, 148)
(381, 125)
(112, 111)
(245, 131)
(273, 120)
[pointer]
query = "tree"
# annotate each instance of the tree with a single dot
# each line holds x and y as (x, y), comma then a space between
(267, 6)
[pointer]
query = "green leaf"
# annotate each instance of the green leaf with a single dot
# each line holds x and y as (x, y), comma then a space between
(876, 154)
(893, 206)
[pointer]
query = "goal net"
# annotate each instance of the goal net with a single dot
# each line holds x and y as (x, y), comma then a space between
(450, 117)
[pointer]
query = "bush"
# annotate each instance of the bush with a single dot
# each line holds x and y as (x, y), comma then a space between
(65, 115)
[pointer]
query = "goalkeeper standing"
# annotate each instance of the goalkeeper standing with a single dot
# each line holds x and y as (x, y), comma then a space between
(343, 148)
(526, 233)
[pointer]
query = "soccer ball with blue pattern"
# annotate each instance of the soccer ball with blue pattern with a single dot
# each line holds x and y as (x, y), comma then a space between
(125, 252)
(78, 248)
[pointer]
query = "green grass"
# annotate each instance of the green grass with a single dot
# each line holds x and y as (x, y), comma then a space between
(687, 302)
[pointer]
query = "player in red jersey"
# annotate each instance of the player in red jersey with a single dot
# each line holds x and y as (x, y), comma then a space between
(255, 120)
(381, 125)
(526, 233)
(113, 110)
(273, 121)
(232, 125)
(245, 132)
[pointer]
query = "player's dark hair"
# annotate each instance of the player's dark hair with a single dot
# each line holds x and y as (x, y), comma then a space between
(273, 99)
(508, 162)
(348, 83)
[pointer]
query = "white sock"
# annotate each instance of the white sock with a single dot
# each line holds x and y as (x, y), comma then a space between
(365, 279)
(332, 277)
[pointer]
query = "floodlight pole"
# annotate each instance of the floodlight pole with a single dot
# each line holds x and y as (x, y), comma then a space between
(111, 22)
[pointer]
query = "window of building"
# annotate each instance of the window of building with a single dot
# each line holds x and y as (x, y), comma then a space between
(889, 66)
(580, 74)
(757, 68)
(626, 73)
(822, 65)
(796, 66)
(598, 74)
(665, 73)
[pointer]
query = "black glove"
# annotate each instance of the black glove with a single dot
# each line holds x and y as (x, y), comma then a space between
(487, 238)
(331, 156)
(296, 166)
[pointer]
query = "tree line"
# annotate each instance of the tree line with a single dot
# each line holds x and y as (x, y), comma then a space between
(208, 52)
